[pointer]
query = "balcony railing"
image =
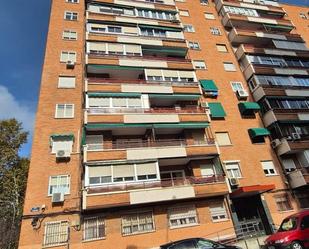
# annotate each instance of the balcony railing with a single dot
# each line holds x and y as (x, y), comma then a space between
(196, 110)
(148, 143)
(253, 32)
(140, 81)
(163, 183)
(139, 56)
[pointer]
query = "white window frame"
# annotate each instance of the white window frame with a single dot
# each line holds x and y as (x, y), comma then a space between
(71, 56)
(234, 167)
(184, 13)
(59, 234)
(72, 14)
(237, 86)
(189, 28)
(209, 16)
(286, 200)
(197, 63)
(204, 2)
(69, 145)
(68, 183)
(72, 1)
(183, 221)
(215, 215)
(72, 35)
(65, 107)
(221, 45)
(137, 214)
(194, 47)
(215, 31)
(269, 167)
(100, 221)
(226, 134)
(66, 86)
(229, 66)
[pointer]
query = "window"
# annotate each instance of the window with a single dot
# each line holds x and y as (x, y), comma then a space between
(269, 168)
(56, 233)
(94, 142)
(187, 244)
(137, 223)
(303, 199)
(218, 212)
(71, 16)
(215, 31)
(64, 111)
(288, 164)
(221, 48)
(199, 64)
(283, 202)
(223, 138)
(188, 28)
(94, 228)
(240, 11)
(194, 45)
(237, 86)
(303, 16)
(229, 67)
(72, 1)
(209, 16)
(61, 143)
(69, 35)
(114, 102)
(59, 184)
(68, 56)
(305, 222)
(66, 82)
(184, 13)
(290, 45)
(204, 2)
(182, 216)
(233, 169)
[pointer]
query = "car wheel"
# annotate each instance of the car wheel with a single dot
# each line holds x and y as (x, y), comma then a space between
(296, 245)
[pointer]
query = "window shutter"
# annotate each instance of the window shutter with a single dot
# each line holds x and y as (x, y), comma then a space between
(100, 171)
(125, 170)
(146, 169)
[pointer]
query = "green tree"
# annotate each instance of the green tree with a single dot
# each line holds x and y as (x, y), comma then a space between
(13, 179)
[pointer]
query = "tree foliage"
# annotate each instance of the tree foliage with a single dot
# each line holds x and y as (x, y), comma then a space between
(13, 179)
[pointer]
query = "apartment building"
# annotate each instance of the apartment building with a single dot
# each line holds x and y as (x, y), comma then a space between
(160, 120)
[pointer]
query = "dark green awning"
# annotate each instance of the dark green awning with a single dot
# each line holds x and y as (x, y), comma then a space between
(248, 107)
(159, 27)
(257, 132)
(274, 26)
(209, 85)
(175, 96)
(114, 67)
(216, 110)
(116, 125)
(67, 136)
(114, 94)
(190, 125)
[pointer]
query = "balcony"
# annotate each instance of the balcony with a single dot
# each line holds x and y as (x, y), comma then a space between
(139, 61)
(285, 115)
(298, 178)
(288, 146)
(262, 37)
(242, 50)
(154, 191)
(242, 22)
(162, 4)
(147, 149)
(277, 10)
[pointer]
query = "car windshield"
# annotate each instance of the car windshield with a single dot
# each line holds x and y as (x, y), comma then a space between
(288, 224)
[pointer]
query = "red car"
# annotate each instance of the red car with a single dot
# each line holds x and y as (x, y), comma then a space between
(292, 234)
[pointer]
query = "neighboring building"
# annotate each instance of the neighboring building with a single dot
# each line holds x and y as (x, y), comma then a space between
(147, 130)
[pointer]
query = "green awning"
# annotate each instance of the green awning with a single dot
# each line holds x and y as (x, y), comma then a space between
(196, 125)
(216, 110)
(67, 136)
(248, 107)
(114, 67)
(175, 96)
(166, 51)
(159, 27)
(209, 85)
(257, 132)
(114, 94)
(274, 26)
(83, 142)
(116, 125)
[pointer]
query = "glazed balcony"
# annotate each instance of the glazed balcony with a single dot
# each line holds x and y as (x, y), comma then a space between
(154, 191)
(298, 178)
(139, 61)
(242, 22)
(285, 115)
(289, 145)
(242, 50)
(160, 4)
(269, 8)
(260, 37)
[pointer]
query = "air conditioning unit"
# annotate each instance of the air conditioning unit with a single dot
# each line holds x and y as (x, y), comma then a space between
(296, 136)
(57, 198)
(233, 182)
(242, 94)
(70, 64)
(62, 154)
(275, 143)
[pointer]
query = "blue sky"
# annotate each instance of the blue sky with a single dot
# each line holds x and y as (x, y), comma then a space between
(23, 28)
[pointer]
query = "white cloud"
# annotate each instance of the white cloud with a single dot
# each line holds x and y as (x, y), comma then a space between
(11, 108)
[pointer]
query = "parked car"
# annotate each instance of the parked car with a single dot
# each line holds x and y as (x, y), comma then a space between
(292, 234)
(196, 243)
